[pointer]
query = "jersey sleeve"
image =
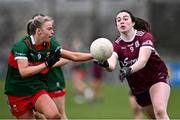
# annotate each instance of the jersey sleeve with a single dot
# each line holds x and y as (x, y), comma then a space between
(116, 46)
(20, 50)
(147, 41)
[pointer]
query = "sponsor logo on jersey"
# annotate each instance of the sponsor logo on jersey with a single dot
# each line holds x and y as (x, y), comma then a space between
(123, 47)
(127, 62)
(19, 54)
(48, 54)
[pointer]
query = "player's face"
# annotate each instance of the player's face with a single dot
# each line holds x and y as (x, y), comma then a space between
(47, 31)
(124, 22)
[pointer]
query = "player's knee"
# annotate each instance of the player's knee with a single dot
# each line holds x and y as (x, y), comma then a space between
(137, 110)
(160, 112)
(54, 115)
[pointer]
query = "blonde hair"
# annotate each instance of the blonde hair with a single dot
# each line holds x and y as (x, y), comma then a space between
(37, 22)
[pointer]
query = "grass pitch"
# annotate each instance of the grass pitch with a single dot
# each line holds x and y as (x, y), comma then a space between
(115, 104)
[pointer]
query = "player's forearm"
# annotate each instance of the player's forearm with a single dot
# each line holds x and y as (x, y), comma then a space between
(76, 56)
(144, 55)
(32, 70)
(82, 56)
(112, 63)
(138, 66)
(61, 62)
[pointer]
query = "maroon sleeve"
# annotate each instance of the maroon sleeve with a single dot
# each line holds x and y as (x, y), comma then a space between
(147, 40)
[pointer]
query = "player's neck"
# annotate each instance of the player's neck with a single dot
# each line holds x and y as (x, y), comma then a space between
(129, 36)
(37, 40)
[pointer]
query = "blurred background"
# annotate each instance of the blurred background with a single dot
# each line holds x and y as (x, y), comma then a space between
(87, 20)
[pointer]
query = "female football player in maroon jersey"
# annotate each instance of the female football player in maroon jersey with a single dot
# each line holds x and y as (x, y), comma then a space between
(137, 110)
(141, 65)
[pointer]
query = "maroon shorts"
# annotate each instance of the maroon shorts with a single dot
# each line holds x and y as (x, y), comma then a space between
(144, 98)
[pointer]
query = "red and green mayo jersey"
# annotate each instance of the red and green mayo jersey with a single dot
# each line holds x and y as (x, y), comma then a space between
(35, 54)
(55, 79)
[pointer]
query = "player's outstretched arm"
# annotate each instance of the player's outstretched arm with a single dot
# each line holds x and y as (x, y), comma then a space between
(61, 62)
(109, 64)
(112, 63)
(76, 56)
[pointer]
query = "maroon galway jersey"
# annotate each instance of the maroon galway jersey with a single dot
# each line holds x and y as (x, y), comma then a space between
(128, 52)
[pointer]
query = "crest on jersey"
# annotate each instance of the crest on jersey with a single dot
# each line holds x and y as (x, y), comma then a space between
(137, 44)
(140, 33)
(48, 54)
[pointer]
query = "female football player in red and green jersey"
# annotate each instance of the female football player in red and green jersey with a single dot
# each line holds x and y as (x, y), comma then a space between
(55, 83)
(30, 60)
(141, 65)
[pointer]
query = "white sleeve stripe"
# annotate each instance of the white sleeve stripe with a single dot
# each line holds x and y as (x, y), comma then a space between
(114, 53)
(150, 47)
(22, 58)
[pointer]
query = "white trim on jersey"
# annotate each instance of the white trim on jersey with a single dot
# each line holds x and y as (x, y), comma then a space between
(114, 53)
(32, 39)
(148, 47)
(131, 38)
(20, 58)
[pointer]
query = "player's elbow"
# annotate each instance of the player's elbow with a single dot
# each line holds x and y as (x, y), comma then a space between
(110, 68)
(75, 59)
(23, 74)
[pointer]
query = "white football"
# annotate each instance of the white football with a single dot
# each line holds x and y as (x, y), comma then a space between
(101, 49)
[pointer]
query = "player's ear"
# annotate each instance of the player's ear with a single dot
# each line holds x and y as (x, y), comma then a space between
(38, 30)
(133, 23)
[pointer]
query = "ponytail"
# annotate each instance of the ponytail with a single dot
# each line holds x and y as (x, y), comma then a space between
(142, 24)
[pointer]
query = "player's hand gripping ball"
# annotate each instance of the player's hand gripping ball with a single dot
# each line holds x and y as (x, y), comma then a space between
(101, 49)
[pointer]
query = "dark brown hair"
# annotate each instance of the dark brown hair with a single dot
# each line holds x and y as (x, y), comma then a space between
(142, 24)
(130, 14)
(29, 32)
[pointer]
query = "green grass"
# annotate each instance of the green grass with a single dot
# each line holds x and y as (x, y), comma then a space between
(114, 106)
(4, 108)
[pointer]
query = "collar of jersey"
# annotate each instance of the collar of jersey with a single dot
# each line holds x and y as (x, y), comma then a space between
(131, 38)
(32, 40)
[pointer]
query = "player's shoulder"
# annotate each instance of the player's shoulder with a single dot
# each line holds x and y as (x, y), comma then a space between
(142, 33)
(53, 40)
(117, 39)
(54, 43)
(21, 42)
